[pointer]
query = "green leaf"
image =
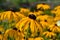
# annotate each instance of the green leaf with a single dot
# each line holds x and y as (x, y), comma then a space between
(48, 12)
(10, 38)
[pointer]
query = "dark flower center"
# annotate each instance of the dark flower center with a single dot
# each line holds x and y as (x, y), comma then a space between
(55, 24)
(19, 31)
(15, 29)
(32, 16)
(49, 30)
(0, 32)
(45, 20)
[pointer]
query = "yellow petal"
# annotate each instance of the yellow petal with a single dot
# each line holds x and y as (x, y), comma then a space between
(32, 26)
(18, 24)
(22, 24)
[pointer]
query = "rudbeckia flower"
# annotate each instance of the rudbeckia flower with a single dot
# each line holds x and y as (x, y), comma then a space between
(57, 18)
(42, 17)
(39, 6)
(43, 6)
(57, 7)
(49, 34)
(9, 15)
(45, 20)
(57, 15)
(24, 11)
(12, 34)
(29, 22)
(54, 27)
(53, 11)
(56, 12)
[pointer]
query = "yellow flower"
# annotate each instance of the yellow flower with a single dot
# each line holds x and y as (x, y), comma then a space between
(42, 17)
(2, 16)
(54, 27)
(53, 11)
(45, 20)
(57, 7)
(29, 22)
(39, 6)
(43, 6)
(46, 7)
(44, 24)
(24, 11)
(13, 33)
(56, 12)
(9, 15)
(57, 18)
(49, 34)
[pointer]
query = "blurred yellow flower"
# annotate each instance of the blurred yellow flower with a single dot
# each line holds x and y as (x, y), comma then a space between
(13, 34)
(42, 17)
(57, 7)
(49, 34)
(24, 11)
(54, 27)
(29, 22)
(43, 6)
(45, 20)
(57, 18)
(9, 15)
(56, 12)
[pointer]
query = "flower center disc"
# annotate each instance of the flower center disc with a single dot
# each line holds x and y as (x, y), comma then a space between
(32, 16)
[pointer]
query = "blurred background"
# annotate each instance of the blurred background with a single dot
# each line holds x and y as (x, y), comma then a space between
(26, 3)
